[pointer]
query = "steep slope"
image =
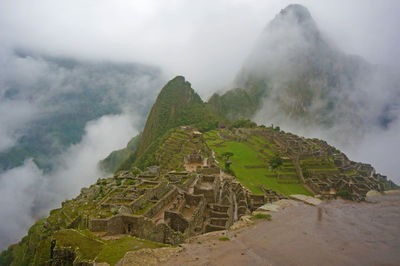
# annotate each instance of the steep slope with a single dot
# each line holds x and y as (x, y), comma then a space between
(111, 163)
(177, 104)
(234, 104)
(296, 76)
(264, 165)
(62, 95)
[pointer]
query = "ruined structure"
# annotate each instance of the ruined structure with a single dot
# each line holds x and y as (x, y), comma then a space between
(189, 194)
(322, 168)
(167, 205)
(170, 207)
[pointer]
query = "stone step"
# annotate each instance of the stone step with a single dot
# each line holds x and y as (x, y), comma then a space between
(212, 228)
(215, 214)
(218, 222)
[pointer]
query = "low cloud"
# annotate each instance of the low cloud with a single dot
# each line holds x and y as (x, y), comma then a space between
(26, 193)
(316, 90)
(207, 41)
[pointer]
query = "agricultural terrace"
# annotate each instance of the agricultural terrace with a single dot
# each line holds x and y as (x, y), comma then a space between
(250, 164)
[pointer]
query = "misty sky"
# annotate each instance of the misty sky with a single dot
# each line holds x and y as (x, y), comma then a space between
(206, 41)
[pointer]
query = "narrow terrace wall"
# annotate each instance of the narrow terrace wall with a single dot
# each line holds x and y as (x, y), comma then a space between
(188, 182)
(98, 225)
(138, 226)
(210, 170)
(148, 195)
(162, 203)
(197, 217)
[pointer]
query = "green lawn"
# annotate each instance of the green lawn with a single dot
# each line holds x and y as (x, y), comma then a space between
(90, 247)
(245, 155)
(113, 251)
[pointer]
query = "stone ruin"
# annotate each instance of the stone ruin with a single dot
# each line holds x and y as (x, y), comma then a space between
(169, 207)
(324, 169)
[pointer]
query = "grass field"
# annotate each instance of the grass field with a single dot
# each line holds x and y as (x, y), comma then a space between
(248, 154)
(113, 251)
(90, 247)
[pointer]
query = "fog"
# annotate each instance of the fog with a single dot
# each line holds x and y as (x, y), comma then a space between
(36, 92)
(206, 41)
(351, 103)
(26, 193)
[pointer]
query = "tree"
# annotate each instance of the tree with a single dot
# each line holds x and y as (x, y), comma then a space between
(227, 155)
(276, 162)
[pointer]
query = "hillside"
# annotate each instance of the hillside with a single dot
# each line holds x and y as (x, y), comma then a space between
(201, 182)
(295, 76)
(176, 105)
(63, 96)
(112, 162)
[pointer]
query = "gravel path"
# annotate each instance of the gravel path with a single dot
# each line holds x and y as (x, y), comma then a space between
(334, 233)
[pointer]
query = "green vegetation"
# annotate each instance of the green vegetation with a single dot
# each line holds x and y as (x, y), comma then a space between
(176, 105)
(243, 123)
(234, 104)
(89, 247)
(144, 208)
(88, 244)
(258, 216)
(113, 251)
(223, 238)
(130, 182)
(275, 162)
(345, 194)
(249, 164)
(116, 158)
(170, 154)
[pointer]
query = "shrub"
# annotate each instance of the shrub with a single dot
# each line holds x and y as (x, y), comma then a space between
(135, 171)
(130, 182)
(261, 216)
(245, 123)
(344, 194)
(276, 162)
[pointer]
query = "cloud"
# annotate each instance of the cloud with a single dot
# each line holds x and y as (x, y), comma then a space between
(207, 41)
(17, 192)
(316, 90)
(26, 193)
(38, 92)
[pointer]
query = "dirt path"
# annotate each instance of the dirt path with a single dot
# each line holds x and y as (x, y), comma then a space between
(344, 233)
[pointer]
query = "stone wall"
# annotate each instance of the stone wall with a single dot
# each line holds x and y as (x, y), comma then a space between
(98, 225)
(138, 226)
(162, 203)
(209, 170)
(176, 221)
(197, 216)
(185, 186)
(209, 193)
(157, 192)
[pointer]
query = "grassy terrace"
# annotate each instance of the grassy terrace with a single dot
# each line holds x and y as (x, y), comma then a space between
(249, 154)
(319, 165)
(92, 248)
(144, 209)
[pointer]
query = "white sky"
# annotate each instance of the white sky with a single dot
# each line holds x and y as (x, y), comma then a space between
(206, 41)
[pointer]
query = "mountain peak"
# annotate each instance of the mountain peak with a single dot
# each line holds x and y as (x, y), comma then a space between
(174, 96)
(294, 16)
(176, 105)
(299, 12)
